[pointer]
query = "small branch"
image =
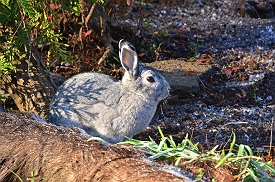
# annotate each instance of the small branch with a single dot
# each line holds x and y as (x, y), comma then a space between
(235, 123)
(271, 134)
(244, 170)
(106, 55)
(229, 139)
(90, 15)
(101, 26)
(80, 38)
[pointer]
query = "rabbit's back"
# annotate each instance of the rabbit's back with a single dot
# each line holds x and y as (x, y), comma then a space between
(86, 100)
(87, 88)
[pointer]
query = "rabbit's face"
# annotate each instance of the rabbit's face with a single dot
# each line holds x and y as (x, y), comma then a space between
(149, 83)
(154, 85)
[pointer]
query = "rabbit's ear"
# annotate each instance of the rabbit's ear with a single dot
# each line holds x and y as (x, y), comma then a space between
(128, 57)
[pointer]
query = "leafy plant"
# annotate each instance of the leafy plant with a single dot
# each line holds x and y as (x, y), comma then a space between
(250, 167)
(5, 66)
(27, 23)
(200, 174)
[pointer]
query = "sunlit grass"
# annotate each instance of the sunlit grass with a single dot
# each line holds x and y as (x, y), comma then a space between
(239, 158)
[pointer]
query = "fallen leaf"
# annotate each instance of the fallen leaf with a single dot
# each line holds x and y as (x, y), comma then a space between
(201, 60)
(227, 72)
(180, 30)
(88, 33)
(141, 54)
(190, 72)
(182, 41)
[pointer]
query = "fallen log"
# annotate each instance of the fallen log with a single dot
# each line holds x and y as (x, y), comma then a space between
(30, 149)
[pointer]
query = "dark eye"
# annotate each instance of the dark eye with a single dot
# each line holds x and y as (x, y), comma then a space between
(150, 79)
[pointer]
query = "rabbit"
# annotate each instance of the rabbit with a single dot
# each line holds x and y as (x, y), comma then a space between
(108, 108)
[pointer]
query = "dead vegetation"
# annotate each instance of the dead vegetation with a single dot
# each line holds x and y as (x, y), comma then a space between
(57, 154)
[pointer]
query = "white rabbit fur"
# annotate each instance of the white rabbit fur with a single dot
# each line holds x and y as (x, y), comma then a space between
(109, 108)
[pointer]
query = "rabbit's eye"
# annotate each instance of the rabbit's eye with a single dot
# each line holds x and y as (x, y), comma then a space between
(150, 79)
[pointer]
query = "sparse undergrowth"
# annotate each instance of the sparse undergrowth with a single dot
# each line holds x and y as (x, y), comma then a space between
(239, 158)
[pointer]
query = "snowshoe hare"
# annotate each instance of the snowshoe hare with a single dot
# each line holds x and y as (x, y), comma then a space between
(109, 108)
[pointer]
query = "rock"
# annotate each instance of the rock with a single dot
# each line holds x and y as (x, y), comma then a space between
(182, 75)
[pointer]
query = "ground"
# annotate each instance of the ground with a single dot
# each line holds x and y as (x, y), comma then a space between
(236, 37)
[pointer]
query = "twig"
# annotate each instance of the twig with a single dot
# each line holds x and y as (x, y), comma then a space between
(201, 81)
(80, 38)
(192, 133)
(235, 123)
(207, 142)
(271, 134)
(229, 139)
(256, 12)
(90, 15)
(244, 170)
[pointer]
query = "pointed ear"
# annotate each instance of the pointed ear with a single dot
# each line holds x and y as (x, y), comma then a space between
(128, 57)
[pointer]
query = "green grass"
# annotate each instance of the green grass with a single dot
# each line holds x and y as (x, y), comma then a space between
(239, 158)
(31, 179)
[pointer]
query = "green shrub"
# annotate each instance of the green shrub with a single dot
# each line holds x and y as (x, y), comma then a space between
(27, 23)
